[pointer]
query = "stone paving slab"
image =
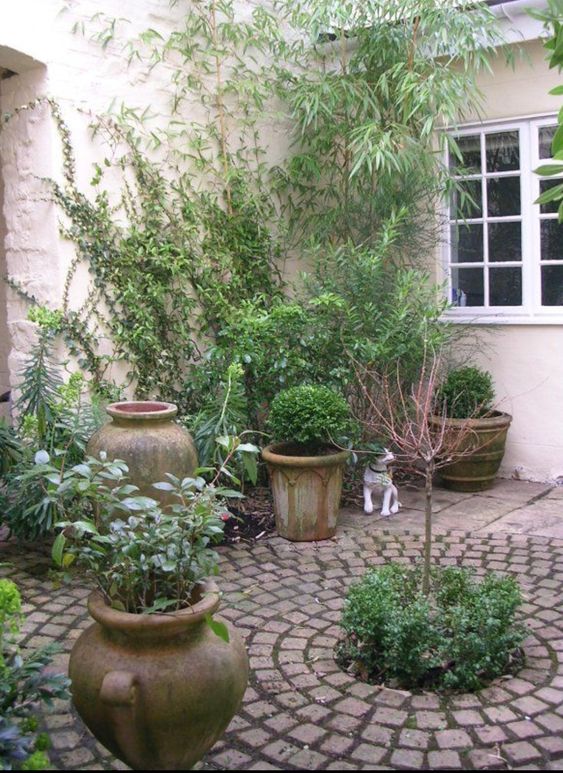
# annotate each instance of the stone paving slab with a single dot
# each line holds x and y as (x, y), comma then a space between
(301, 712)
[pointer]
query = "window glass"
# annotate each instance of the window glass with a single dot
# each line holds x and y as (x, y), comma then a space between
(470, 148)
(502, 151)
(552, 285)
(503, 196)
(505, 286)
(546, 135)
(545, 185)
(467, 243)
(468, 288)
(467, 200)
(505, 241)
(551, 232)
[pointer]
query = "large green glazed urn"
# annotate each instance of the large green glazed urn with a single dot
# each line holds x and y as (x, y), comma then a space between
(145, 435)
(158, 690)
(483, 446)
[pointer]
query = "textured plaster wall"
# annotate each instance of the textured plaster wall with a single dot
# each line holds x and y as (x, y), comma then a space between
(37, 42)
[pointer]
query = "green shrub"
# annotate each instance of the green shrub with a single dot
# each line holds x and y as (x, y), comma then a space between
(24, 686)
(467, 393)
(308, 415)
(459, 637)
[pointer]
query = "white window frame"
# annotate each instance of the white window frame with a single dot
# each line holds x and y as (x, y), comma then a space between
(530, 312)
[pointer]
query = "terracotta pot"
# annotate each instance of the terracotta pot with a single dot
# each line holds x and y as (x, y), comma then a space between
(306, 492)
(157, 690)
(477, 471)
(145, 435)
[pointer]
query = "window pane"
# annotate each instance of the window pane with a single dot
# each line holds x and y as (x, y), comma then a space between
(468, 287)
(552, 285)
(502, 151)
(503, 196)
(505, 286)
(551, 206)
(551, 240)
(470, 148)
(505, 241)
(546, 134)
(467, 201)
(467, 243)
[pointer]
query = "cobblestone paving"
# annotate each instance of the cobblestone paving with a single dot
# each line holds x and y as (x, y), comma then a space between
(300, 711)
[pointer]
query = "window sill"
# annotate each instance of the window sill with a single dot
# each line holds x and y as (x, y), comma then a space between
(503, 318)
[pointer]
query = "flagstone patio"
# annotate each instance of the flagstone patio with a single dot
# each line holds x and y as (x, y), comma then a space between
(300, 711)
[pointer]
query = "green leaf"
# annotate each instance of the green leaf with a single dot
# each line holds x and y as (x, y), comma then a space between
(163, 486)
(557, 142)
(219, 629)
(557, 91)
(250, 466)
(57, 550)
(548, 170)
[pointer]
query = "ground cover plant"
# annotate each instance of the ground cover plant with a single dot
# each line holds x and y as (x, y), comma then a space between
(24, 689)
(459, 636)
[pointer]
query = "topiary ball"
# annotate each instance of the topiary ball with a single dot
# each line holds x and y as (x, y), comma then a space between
(309, 415)
(466, 393)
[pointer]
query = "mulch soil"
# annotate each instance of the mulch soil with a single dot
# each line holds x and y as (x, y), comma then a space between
(252, 517)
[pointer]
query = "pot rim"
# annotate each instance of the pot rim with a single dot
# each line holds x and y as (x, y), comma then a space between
(498, 419)
(271, 455)
(145, 625)
(133, 410)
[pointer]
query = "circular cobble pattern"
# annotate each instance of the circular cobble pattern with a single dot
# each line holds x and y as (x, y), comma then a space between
(301, 712)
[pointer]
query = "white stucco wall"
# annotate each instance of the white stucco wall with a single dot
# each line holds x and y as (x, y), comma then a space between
(526, 361)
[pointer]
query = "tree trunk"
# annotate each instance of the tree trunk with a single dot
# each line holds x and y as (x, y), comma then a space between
(427, 530)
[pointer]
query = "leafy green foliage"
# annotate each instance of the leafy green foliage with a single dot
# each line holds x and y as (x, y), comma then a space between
(143, 557)
(365, 110)
(217, 429)
(459, 637)
(56, 421)
(10, 449)
(466, 393)
(553, 20)
(310, 416)
(24, 686)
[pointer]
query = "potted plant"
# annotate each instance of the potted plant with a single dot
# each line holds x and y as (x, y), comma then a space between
(306, 468)
(466, 400)
(155, 678)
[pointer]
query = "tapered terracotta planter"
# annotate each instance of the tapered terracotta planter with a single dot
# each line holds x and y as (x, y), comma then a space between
(157, 690)
(306, 492)
(478, 470)
(145, 435)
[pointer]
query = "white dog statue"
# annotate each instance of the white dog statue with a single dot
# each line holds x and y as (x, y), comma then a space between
(378, 479)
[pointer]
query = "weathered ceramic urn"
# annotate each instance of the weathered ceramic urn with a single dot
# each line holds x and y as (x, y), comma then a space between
(306, 491)
(145, 435)
(157, 690)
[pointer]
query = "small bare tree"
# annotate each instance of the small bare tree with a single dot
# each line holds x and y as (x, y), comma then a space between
(415, 426)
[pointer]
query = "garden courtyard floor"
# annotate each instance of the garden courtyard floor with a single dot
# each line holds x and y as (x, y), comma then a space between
(300, 711)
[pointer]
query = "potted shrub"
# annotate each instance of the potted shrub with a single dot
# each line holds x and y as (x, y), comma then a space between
(306, 468)
(466, 400)
(155, 678)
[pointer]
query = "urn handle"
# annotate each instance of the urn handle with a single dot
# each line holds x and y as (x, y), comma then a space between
(120, 692)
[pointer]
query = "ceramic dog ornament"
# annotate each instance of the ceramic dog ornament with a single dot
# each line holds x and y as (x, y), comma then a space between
(378, 480)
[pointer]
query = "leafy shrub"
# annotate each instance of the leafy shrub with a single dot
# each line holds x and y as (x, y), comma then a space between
(56, 418)
(143, 557)
(459, 637)
(311, 416)
(23, 687)
(467, 392)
